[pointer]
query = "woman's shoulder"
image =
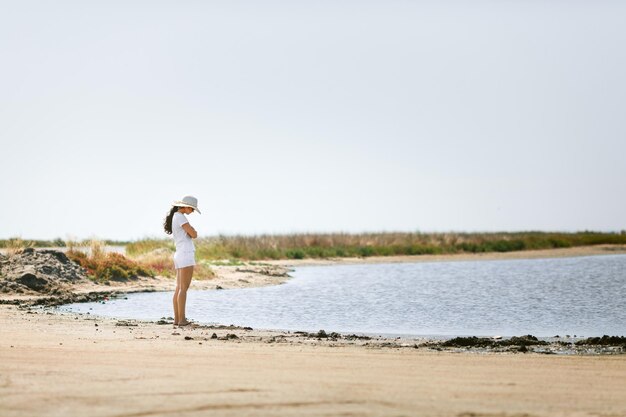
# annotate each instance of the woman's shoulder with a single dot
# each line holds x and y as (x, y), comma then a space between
(179, 218)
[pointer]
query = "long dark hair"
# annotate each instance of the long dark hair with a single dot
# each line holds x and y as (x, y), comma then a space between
(167, 223)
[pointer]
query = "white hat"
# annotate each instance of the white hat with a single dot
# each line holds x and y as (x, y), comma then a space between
(188, 201)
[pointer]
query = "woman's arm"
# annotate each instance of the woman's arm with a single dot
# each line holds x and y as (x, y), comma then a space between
(190, 230)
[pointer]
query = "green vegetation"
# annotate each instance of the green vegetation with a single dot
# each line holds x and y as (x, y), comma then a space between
(332, 245)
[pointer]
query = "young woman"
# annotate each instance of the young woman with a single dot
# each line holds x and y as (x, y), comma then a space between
(177, 225)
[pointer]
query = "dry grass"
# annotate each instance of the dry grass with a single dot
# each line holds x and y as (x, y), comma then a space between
(103, 266)
(160, 261)
(16, 245)
(148, 245)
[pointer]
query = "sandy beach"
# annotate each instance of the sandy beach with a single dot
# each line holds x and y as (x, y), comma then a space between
(61, 364)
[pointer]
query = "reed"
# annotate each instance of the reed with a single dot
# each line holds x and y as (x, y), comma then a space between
(337, 245)
(148, 245)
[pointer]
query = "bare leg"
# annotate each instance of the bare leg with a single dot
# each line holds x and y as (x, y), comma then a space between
(175, 299)
(185, 275)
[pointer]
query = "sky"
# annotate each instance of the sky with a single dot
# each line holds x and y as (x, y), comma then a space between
(311, 116)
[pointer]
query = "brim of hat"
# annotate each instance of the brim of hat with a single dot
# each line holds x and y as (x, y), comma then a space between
(181, 204)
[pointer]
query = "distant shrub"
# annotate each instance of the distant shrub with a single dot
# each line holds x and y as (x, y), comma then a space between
(295, 254)
(504, 246)
(557, 242)
(365, 251)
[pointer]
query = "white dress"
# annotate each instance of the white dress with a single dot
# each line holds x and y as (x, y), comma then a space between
(185, 254)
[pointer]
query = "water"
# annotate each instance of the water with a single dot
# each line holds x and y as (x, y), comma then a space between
(578, 296)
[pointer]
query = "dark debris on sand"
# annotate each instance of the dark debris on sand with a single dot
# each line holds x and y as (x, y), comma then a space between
(39, 272)
(484, 342)
(530, 343)
(603, 341)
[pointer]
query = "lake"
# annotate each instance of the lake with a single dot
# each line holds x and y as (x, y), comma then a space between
(581, 296)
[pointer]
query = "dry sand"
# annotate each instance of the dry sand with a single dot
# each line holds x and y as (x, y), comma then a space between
(54, 364)
(64, 365)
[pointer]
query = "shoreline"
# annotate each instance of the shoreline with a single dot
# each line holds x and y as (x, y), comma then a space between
(547, 345)
(276, 272)
(257, 274)
(596, 250)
